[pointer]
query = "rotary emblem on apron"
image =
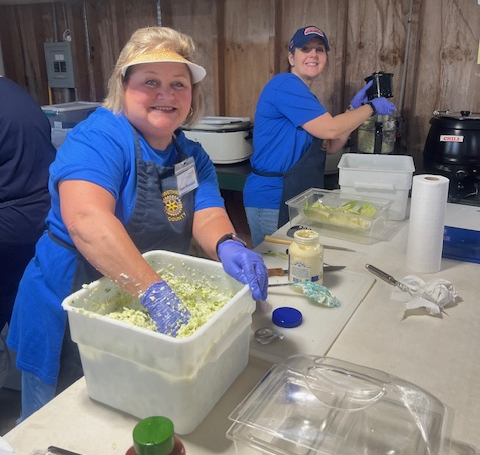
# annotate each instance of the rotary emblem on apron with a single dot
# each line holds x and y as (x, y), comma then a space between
(173, 205)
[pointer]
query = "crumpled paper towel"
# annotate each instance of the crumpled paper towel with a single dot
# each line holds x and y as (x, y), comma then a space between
(432, 295)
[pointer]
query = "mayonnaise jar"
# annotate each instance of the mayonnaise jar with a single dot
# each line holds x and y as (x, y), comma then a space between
(305, 257)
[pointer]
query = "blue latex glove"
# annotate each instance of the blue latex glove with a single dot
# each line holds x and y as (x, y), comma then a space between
(165, 308)
(383, 106)
(361, 96)
(245, 266)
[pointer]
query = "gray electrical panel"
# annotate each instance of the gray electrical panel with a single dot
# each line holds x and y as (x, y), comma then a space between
(58, 57)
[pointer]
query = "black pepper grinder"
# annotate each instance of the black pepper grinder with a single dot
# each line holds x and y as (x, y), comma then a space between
(155, 436)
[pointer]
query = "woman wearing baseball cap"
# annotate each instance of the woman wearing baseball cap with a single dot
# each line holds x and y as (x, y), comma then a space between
(125, 181)
(293, 132)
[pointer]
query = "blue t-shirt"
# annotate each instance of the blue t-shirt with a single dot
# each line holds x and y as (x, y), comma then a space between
(101, 150)
(279, 141)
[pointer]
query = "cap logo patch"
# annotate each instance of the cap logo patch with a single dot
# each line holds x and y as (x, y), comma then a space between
(314, 30)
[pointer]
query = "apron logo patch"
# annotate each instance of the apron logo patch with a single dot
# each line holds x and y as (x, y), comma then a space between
(173, 205)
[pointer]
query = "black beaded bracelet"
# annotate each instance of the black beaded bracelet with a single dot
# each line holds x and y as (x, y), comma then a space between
(230, 236)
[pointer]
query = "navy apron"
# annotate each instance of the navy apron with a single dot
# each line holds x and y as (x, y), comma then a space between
(307, 172)
(161, 219)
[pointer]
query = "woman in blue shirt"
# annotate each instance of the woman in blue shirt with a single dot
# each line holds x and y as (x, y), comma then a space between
(293, 132)
(125, 181)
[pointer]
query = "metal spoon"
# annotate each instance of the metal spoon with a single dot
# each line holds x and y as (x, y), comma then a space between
(266, 335)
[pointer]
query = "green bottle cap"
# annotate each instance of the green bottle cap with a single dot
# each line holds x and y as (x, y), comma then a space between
(154, 436)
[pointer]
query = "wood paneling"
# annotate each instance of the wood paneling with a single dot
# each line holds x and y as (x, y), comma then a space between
(446, 73)
(243, 43)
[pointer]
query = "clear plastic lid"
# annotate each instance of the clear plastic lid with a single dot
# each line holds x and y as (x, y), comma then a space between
(320, 405)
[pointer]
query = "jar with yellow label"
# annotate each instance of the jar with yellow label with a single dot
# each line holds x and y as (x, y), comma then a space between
(305, 257)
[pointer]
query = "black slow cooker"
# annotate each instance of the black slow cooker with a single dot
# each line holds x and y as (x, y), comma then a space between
(452, 149)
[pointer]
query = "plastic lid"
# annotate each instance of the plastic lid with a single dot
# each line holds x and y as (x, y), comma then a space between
(287, 317)
(154, 436)
(325, 406)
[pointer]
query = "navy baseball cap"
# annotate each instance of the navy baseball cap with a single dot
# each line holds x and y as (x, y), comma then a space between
(304, 35)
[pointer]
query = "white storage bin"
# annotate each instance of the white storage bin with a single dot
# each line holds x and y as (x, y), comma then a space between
(146, 373)
(59, 135)
(67, 115)
(378, 176)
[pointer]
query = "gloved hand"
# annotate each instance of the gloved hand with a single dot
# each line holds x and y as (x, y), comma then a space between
(245, 266)
(165, 308)
(383, 106)
(361, 96)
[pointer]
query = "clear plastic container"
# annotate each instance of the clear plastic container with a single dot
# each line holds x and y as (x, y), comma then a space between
(368, 131)
(355, 218)
(320, 405)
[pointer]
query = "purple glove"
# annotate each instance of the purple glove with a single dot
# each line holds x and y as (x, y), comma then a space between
(382, 106)
(165, 308)
(361, 96)
(245, 266)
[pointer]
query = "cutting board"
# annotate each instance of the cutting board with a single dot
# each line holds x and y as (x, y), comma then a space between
(320, 326)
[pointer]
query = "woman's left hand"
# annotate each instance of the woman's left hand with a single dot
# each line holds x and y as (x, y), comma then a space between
(246, 266)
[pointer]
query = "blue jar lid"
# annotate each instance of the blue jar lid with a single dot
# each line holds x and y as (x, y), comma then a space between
(287, 317)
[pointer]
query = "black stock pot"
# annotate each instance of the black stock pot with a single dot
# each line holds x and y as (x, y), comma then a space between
(452, 149)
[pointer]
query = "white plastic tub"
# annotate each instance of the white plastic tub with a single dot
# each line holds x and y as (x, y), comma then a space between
(67, 115)
(146, 373)
(378, 176)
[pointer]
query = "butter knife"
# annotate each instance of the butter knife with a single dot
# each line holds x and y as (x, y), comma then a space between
(326, 268)
(389, 279)
(273, 239)
(403, 287)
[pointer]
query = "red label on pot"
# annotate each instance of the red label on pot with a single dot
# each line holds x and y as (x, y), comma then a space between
(446, 138)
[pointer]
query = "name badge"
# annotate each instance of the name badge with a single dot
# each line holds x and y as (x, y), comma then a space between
(186, 176)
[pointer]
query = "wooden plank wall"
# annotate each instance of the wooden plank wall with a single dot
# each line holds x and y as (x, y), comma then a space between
(431, 47)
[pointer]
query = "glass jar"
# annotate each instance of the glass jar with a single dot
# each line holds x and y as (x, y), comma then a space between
(155, 436)
(305, 257)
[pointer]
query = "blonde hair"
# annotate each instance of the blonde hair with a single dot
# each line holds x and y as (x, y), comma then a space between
(146, 40)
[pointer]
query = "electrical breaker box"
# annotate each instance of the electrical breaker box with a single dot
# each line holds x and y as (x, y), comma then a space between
(59, 61)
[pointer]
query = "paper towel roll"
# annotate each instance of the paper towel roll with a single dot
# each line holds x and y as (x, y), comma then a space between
(427, 222)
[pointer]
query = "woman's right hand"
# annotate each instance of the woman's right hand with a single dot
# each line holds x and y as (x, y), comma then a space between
(361, 96)
(165, 308)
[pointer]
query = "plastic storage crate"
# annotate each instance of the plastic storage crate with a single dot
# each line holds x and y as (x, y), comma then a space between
(378, 176)
(67, 115)
(146, 373)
